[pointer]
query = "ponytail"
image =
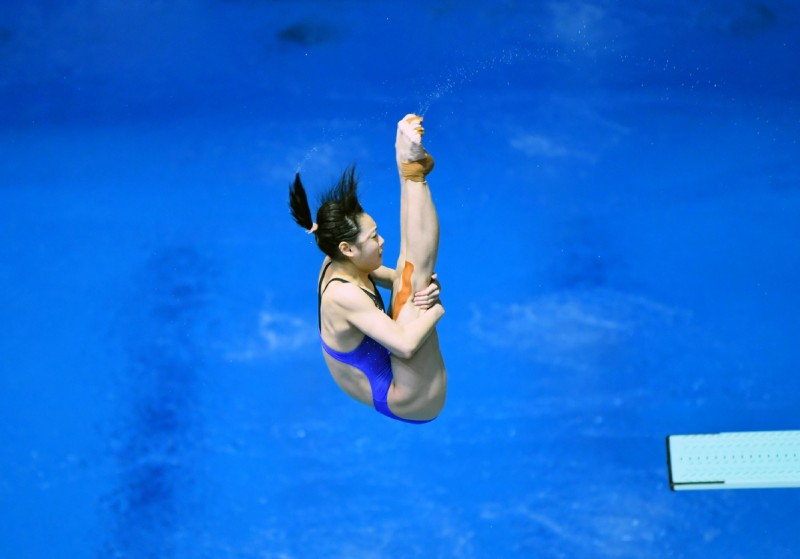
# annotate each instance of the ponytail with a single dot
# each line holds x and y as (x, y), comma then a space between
(298, 202)
(337, 216)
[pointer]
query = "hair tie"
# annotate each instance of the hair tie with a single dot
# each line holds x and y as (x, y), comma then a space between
(314, 227)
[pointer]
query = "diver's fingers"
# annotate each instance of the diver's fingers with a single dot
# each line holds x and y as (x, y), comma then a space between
(430, 294)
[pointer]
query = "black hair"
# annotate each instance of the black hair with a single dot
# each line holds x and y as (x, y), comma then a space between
(336, 216)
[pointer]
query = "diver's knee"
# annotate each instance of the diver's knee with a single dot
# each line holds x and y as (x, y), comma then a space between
(420, 279)
(411, 279)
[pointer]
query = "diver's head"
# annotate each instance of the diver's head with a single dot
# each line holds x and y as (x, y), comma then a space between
(342, 230)
(366, 252)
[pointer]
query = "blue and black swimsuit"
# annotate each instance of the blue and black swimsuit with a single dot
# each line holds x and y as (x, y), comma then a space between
(370, 357)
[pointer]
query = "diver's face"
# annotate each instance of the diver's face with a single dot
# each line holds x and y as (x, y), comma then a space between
(369, 245)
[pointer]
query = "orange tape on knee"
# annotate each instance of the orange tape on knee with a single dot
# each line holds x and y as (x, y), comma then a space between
(405, 290)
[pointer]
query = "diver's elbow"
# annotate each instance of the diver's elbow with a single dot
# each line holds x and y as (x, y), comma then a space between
(404, 351)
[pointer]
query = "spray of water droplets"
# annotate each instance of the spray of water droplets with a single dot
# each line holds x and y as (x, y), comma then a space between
(462, 75)
(456, 78)
(335, 135)
(305, 159)
(319, 149)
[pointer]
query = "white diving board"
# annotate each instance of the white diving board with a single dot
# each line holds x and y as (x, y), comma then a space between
(748, 460)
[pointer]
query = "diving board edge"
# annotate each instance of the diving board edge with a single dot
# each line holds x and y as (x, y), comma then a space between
(743, 460)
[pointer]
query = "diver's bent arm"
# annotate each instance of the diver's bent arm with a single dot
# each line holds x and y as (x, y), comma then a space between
(383, 276)
(402, 340)
(425, 298)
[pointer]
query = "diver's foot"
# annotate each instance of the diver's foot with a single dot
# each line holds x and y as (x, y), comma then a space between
(408, 143)
(413, 162)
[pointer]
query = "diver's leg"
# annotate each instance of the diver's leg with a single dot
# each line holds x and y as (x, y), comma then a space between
(401, 259)
(421, 232)
(419, 385)
(419, 224)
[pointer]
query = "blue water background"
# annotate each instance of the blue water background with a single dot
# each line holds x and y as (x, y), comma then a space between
(618, 185)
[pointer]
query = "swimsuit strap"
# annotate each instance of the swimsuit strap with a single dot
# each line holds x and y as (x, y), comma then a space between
(319, 295)
(376, 297)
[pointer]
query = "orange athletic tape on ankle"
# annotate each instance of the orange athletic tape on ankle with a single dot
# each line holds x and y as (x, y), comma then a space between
(416, 170)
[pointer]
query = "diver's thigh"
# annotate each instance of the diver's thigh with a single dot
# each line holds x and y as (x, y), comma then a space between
(420, 382)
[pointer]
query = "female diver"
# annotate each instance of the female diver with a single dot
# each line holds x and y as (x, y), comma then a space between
(391, 363)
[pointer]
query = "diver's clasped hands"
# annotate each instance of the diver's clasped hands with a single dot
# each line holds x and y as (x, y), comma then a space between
(429, 296)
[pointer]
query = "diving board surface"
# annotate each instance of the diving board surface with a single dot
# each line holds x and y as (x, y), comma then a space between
(747, 460)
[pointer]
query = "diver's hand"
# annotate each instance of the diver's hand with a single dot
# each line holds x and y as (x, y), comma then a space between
(429, 296)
